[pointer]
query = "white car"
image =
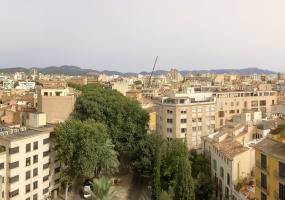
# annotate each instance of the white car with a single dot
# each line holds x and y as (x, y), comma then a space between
(86, 194)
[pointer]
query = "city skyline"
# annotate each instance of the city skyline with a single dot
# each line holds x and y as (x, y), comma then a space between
(126, 36)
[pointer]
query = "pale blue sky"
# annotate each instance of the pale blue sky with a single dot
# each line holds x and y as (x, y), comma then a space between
(127, 35)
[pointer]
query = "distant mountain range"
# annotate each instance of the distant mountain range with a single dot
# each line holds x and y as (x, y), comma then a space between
(77, 71)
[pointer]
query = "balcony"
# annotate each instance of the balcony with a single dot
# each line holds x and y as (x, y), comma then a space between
(264, 168)
(280, 176)
(262, 187)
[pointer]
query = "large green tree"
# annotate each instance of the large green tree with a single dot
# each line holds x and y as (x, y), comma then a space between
(155, 179)
(204, 186)
(127, 122)
(78, 146)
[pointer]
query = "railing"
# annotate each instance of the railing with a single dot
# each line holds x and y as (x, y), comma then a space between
(262, 187)
(262, 167)
(280, 176)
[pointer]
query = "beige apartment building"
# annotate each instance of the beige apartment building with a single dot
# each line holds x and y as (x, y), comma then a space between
(26, 168)
(195, 114)
(56, 103)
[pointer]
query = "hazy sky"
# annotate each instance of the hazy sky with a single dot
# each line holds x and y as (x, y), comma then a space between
(127, 35)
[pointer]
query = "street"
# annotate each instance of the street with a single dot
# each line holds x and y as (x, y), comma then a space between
(138, 189)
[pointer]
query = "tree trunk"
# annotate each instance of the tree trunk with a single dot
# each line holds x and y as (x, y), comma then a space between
(66, 190)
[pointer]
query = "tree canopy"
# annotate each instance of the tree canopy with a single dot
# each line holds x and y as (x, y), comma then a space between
(127, 122)
(74, 85)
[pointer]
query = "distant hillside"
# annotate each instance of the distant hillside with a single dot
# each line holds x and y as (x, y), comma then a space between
(77, 71)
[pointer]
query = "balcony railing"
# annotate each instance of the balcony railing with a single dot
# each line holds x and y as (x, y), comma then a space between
(280, 176)
(262, 167)
(262, 187)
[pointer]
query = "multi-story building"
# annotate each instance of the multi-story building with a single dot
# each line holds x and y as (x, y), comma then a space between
(198, 114)
(33, 72)
(26, 168)
(27, 85)
(270, 169)
(56, 103)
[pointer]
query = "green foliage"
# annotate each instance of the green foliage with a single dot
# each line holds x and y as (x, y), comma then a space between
(100, 190)
(199, 163)
(167, 195)
(279, 130)
(127, 122)
(79, 147)
(155, 179)
(138, 82)
(185, 188)
(75, 86)
(143, 155)
(16, 84)
(204, 186)
(39, 84)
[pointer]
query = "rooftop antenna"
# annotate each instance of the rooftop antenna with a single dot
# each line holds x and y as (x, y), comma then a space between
(152, 72)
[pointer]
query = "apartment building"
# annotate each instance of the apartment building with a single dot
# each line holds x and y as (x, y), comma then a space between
(270, 169)
(26, 168)
(195, 114)
(232, 156)
(57, 103)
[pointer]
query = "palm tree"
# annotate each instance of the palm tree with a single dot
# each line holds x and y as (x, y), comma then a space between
(100, 190)
(108, 158)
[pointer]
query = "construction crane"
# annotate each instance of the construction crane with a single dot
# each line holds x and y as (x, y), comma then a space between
(152, 72)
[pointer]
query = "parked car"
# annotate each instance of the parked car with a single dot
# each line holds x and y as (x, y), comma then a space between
(87, 186)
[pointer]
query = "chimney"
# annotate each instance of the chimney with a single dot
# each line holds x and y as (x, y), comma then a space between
(243, 142)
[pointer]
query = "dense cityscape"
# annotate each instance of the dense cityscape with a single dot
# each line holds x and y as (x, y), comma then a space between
(169, 136)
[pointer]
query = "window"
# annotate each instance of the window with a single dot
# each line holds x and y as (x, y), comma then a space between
(13, 150)
(199, 110)
(56, 170)
(35, 158)
(46, 141)
(193, 129)
(35, 172)
(220, 186)
(245, 104)
(183, 111)
(14, 179)
(212, 117)
(28, 188)
(193, 138)
(237, 103)
(194, 120)
(169, 130)
(35, 145)
(232, 104)
(45, 94)
(222, 172)
(215, 165)
(35, 197)
(35, 185)
(56, 181)
(221, 113)
(228, 180)
(28, 161)
(199, 128)
(28, 175)
(263, 109)
(207, 109)
(207, 127)
(212, 109)
(254, 103)
(169, 111)
(263, 181)
(45, 190)
(263, 196)
(193, 110)
(14, 193)
(45, 178)
(13, 165)
(28, 147)
(263, 160)
(169, 121)
(232, 111)
(46, 153)
(199, 119)
(183, 130)
(262, 103)
(1, 165)
(183, 121)
(221, 105)
(281, 169)
(281, 191)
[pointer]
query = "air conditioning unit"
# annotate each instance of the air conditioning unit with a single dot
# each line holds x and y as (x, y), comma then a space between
(16, 130)
(1, 133)
(11, 131)
(6, 132)
(23, 129)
